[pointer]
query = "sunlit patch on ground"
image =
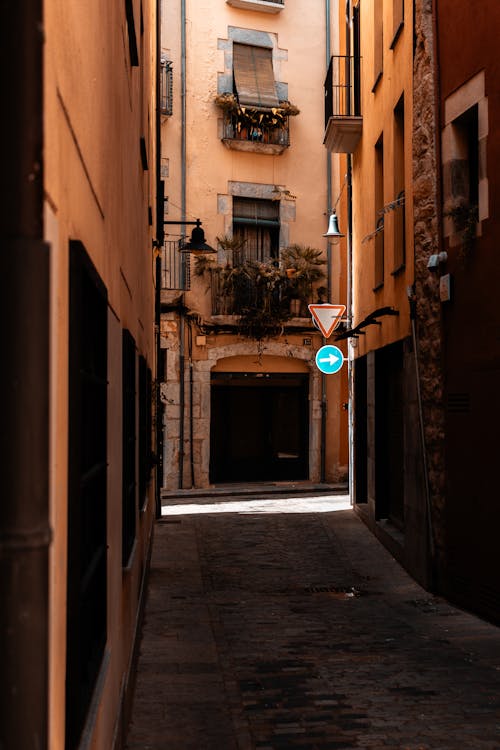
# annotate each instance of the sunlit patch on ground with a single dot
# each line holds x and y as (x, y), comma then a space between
(301, 504)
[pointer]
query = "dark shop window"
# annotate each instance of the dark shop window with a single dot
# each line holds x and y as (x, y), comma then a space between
(144, 430)
(86, 583)
(128, 447)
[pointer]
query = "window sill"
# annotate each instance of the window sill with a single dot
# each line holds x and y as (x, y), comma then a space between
(232, 320)
(264, 6)
(398, 270)
(378, 287)
(254, 147)
(377, 81)
(397, 34)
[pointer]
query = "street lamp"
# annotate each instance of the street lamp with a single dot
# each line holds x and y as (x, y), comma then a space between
(196, 245)
(333, 232)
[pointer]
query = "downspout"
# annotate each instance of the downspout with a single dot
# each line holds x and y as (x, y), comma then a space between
(160, 237)
(191, 415)
(430, 529)
(324, 403)
(182, 345)
(350, 368)
(25, 534)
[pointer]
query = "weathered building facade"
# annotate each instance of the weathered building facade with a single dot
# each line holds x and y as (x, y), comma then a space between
(78, 225)
(243, 398)
(372, 126)
(419, 143)
(469, 275)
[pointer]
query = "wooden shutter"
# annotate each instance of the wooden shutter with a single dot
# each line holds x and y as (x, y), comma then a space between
(254, 76)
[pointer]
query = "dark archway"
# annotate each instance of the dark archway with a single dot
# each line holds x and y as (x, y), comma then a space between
(260, 427)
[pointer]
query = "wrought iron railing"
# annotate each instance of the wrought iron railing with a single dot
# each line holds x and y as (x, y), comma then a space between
(246, 295)
(175, 267)
(166, 87)
(237, 129)
(342, 87)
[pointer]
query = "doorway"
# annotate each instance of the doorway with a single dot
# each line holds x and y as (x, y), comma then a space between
(259, 427)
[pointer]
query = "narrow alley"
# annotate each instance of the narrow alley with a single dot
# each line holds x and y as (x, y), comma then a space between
(279, 622)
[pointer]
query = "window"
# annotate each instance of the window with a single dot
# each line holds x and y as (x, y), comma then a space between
(356, 45)
(132, 39)
(87, 460)
(378, 41)
(254, 76)
(398, 214)
(379, 205)
(166, 87)
(256, 223)
(128, 446)
(398, 9)
(465, 181)
(145, 392)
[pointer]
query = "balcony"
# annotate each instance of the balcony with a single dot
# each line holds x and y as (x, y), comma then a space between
(239, 134)
(264, 6)
(166, 87)
(175, 271)
(260, 299)
(343, 121)
(259, 129)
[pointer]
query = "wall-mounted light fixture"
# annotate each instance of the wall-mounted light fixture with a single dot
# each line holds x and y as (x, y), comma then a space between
(333, 232)
(436, 259)
(196, 245)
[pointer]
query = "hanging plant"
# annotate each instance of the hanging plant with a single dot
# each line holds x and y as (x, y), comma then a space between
(260, 293)
(250, 116)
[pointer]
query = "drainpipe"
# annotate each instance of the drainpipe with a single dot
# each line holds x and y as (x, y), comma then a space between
(430, 527)
(160, 237)
(182, 368)
(191, 415)
(350, 368)
(24, 387)
(328, 258)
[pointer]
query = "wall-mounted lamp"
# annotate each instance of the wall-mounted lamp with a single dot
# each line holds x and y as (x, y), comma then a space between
(333, 232)
(196, 245)
(436, 259)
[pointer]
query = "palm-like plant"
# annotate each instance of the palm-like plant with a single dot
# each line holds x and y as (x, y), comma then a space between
(308, 266)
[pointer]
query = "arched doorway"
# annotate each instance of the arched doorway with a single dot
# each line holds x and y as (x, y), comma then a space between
(259, 426)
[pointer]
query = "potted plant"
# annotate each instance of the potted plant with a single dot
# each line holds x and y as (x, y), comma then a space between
(307, 265)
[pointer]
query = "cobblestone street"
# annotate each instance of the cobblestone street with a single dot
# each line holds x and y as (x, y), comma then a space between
(276, 623)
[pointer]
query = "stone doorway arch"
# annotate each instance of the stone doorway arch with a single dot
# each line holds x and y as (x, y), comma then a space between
(275, 354)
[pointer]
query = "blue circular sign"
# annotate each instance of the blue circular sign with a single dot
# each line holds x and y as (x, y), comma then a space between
(329, 359)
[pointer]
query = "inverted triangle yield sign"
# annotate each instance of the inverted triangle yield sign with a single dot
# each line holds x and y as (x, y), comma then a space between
(327, 317)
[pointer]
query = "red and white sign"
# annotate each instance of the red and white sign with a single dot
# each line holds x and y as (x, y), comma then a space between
(326, 317)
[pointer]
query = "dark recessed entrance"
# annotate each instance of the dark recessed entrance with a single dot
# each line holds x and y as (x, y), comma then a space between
(260, 427)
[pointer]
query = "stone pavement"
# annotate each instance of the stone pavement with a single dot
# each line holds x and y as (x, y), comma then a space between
(279, 623)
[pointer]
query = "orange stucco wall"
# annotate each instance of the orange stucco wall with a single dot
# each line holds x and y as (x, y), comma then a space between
(96, 109)
(377, 104)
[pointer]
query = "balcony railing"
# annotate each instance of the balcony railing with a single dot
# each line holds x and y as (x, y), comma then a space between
(240, 135)
(279, 302)
(343, 121)
(175, 267)
(166, 87)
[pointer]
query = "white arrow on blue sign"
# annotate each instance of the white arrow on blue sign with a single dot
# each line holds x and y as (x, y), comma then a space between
(329, 359)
